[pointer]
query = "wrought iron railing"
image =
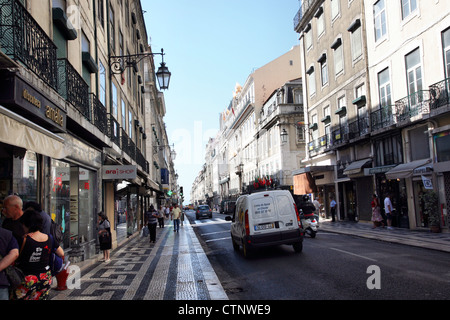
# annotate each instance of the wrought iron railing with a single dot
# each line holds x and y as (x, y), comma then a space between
(439, 94)
(99, 114)
(73, 88)
(358, 127)
(22, 39)
(382, 117)
(114, 130)
(412, 105)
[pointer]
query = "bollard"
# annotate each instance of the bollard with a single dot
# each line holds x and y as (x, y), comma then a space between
(62, 280)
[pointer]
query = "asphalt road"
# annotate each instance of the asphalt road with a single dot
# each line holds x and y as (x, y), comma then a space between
(331, 267)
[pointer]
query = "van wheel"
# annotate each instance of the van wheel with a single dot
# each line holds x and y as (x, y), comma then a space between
(298, 247)
(235, 245)
(247, 250)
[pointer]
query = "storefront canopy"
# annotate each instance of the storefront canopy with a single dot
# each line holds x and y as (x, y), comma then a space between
(18, 131)
(304, 184)
(405, 170)
(356, 166)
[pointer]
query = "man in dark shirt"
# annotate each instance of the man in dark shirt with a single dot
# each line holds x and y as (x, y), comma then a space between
(12, 210)
(9, 251)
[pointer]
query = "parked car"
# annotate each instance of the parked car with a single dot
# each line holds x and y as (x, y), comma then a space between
(203, 211)
(266, 218)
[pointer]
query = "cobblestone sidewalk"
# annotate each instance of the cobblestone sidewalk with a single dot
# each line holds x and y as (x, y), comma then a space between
(173, 268)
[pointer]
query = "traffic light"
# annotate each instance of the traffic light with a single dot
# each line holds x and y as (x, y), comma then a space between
(181, 191)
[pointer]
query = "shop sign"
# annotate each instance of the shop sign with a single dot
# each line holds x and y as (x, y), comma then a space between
(427, 183)
(17, 93)
(119, 172)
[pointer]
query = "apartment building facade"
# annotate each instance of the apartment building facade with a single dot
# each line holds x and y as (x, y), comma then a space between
(382, 67)
(248, 147)
(74, 133)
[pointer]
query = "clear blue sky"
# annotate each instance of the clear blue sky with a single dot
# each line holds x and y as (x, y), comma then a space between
(210, 46)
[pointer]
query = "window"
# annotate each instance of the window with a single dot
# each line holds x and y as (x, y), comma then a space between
(114, 100)
(308, 37)
(356, 39)
(338, 56)
(384, 88)
(324, 71)
(380, 20)
(101, 14)
(102, 92)
(130, 124)
(446, 46)
(112, 30)
(414, 74)
(334, 9)
(311, 81)
(320, 22)
(418, 138)
(408, 6)
(124, 115)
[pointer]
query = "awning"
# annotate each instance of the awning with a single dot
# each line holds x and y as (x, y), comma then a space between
(356, 166)
(18, 131)
(405, 170)
(304, 184)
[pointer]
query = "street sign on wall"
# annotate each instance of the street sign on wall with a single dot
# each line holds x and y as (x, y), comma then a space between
(119, 172)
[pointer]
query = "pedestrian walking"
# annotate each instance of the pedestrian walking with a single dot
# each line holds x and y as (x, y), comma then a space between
(167, 212)
(9, 252)
(34, 259)
(12, 210)
(377, 218)
(175, 216)
(161, 214)
(333, 208)
(151, 218)
(104, 235)
(388, 210)
(318, 206)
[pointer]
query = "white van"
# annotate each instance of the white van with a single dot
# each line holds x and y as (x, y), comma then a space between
(266, 218)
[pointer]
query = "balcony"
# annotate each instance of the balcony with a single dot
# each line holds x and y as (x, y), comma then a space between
(73, 88)
(416, 104)
(358, 128)
(439, 94)
(303, 11)
(382, 118)
(22, 39)
(99, 114)
(113, 130)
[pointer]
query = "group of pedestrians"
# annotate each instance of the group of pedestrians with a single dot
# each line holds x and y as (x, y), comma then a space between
(26, 241)
(153, 217)
(377, 216)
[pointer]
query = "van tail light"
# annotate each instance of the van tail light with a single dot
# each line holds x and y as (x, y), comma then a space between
(299, 221)
(247, 225)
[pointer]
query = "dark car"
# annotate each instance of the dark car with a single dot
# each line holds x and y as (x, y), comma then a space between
(203, 211)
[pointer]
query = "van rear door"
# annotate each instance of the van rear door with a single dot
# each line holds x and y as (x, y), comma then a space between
(264, 217)
(286, 212)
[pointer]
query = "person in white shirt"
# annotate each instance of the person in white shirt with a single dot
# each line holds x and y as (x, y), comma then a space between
(388, 210)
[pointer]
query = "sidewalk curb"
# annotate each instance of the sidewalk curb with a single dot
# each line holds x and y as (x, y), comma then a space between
(387, 236)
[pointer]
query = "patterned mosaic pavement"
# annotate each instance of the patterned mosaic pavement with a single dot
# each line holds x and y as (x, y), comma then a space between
(173, 268)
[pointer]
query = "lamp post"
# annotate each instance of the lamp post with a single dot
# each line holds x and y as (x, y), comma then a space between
(118, 64)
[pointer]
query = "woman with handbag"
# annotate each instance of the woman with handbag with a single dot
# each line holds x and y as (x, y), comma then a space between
(35, 259)
(377, 218)
(104, 235)
(9, 251)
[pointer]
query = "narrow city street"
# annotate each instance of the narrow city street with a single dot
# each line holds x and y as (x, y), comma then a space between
(331, 267)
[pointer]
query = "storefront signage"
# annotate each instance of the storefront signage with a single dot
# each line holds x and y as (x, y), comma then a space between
(32, 104)
(119, 172)
(427, 183)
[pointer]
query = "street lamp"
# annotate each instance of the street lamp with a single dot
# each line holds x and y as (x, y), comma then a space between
(118, 64)
(284, 136)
